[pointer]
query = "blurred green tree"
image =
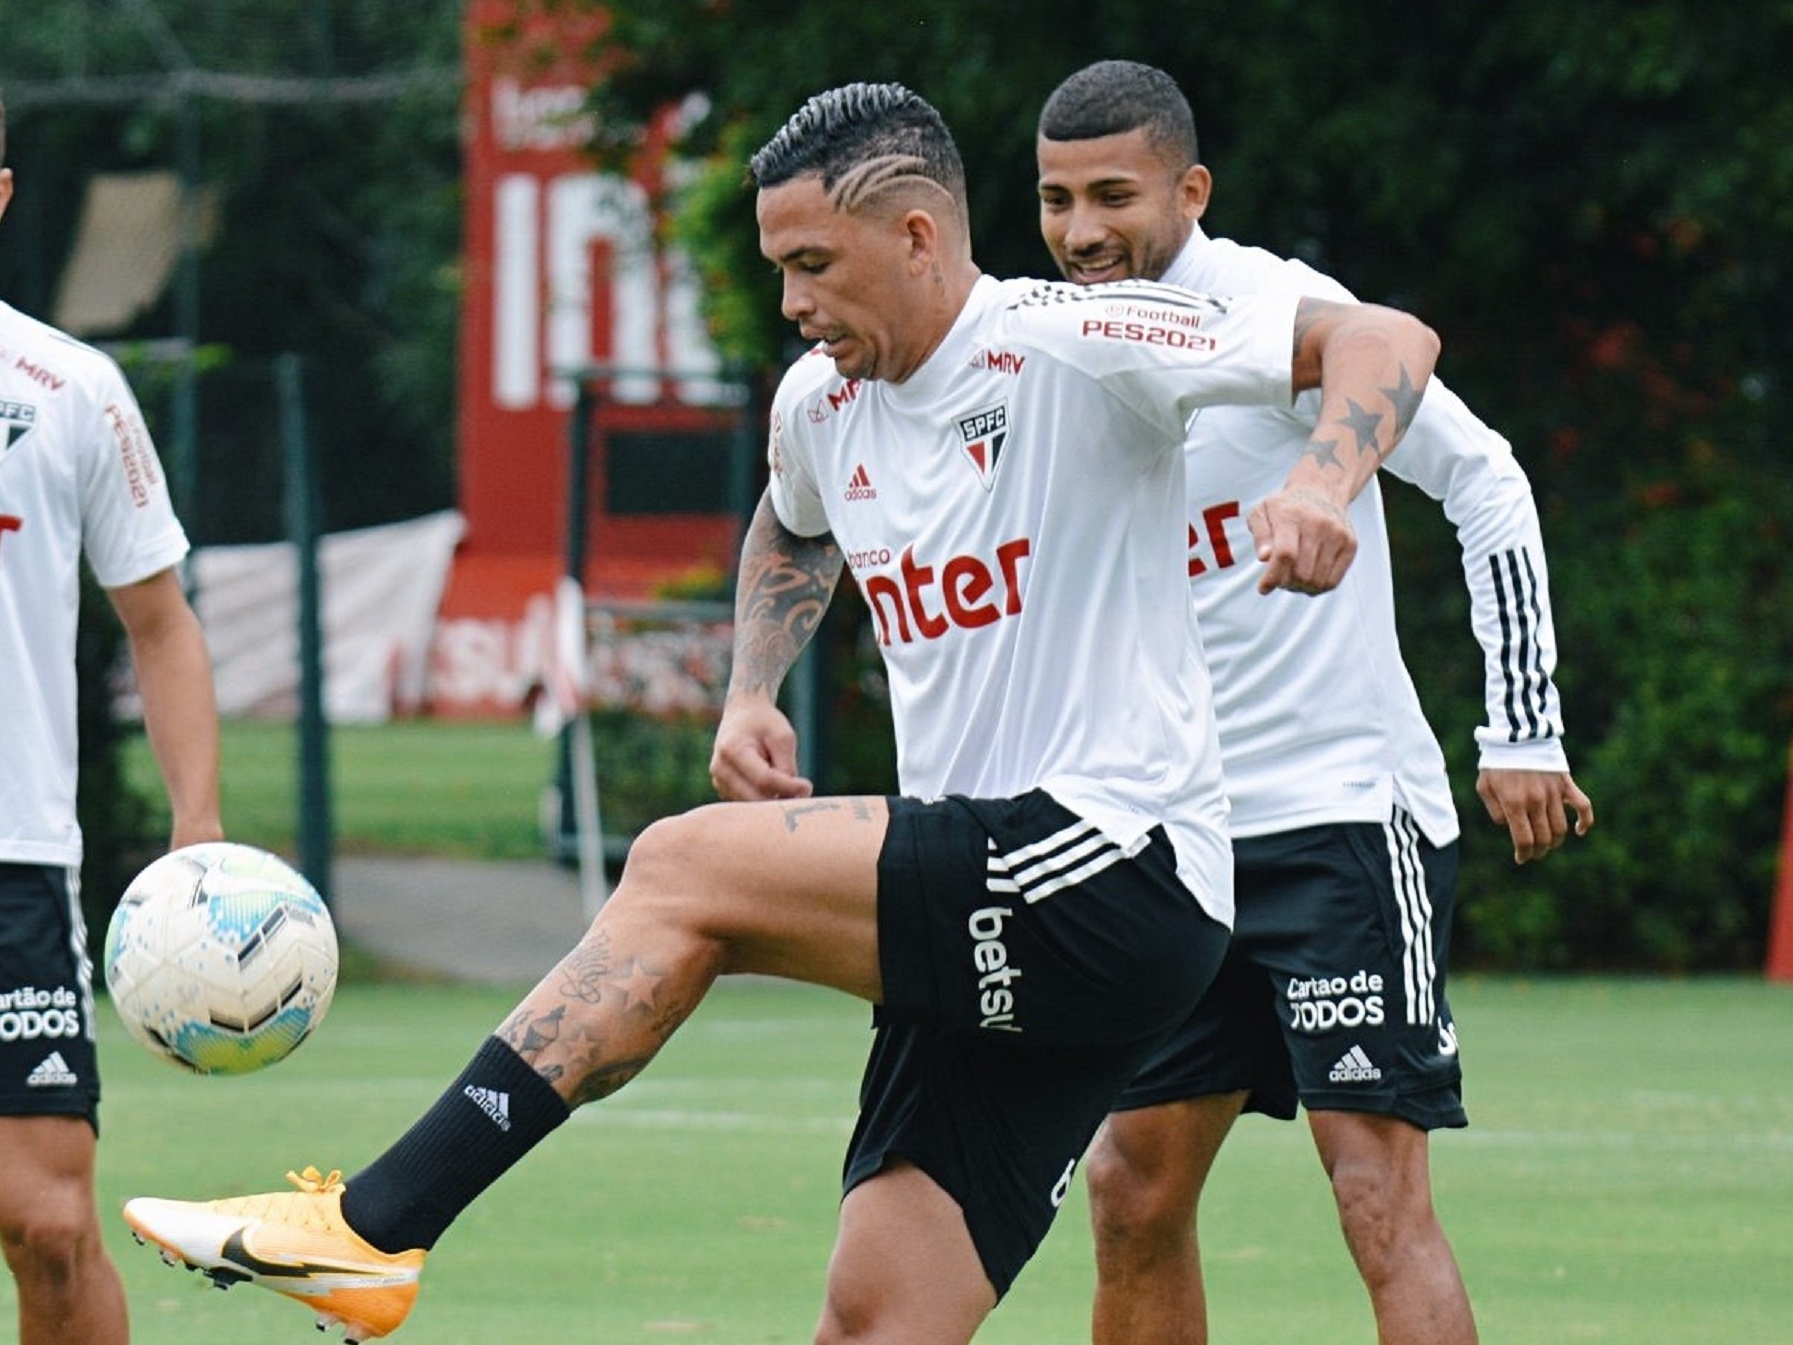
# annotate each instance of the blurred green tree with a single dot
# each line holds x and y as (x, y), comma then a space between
(1593, 205)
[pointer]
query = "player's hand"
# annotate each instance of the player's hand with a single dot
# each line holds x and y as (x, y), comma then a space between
(1305, 541)
(755, 754)
(1534, 807)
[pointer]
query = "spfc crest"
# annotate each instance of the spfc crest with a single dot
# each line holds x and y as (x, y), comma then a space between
(982, 435)
(16, 420)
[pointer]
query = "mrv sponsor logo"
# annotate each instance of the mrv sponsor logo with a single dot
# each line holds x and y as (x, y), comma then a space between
(990, 955)
(29, 1013)
(1321, 1003)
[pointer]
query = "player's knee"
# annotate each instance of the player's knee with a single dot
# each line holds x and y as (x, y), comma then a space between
(847, 1316)
(657, 876)
(49, 1243)
(664, 896)
(1129, 1201)
(833, 1329)
(664, 846)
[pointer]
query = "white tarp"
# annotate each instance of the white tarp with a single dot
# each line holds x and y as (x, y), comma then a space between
(379, 592)
(125, 250)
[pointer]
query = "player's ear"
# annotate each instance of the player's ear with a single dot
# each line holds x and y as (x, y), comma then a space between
(922, 232)
(1193, 189)
(5, 188)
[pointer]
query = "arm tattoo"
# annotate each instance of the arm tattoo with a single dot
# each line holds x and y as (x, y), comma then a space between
(1324, 452)
(781, 595)
(1406, 399)
(1363, 424)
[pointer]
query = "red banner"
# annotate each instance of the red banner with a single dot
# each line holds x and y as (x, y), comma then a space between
(563, 274)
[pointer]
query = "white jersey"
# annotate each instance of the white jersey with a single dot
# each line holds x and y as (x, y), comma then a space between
(78, 473)
(1013, 515)
(1319, 720)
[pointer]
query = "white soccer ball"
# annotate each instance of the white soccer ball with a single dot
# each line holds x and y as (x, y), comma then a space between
(221, 958)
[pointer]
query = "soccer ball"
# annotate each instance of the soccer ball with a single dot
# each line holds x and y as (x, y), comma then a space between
(221, 958)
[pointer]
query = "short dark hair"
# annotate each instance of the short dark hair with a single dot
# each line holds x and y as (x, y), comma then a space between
(1114, 97)
(848, 127)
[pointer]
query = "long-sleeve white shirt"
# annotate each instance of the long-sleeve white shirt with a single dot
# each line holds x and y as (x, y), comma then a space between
(1319, 719)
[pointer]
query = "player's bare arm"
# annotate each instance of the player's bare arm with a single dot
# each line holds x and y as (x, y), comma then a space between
(783, 591)
(781, 595)
(180, 713)
(1371, 365)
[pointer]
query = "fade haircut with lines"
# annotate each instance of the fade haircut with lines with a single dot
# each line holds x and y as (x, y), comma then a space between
(1114, 97)
(862, 141)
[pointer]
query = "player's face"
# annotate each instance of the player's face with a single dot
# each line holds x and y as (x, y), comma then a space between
(1111, 208)
(849, 279)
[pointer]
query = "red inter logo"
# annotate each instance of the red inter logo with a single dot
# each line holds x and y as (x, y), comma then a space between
(965, 592)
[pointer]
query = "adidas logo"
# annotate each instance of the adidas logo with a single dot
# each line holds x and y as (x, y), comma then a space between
(53, 1072)
(859, 486)
(493, 1103)
(1354, 1067)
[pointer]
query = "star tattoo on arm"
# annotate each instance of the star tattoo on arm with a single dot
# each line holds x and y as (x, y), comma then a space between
(1324, 452)
(1364, 424)
(1406, 399)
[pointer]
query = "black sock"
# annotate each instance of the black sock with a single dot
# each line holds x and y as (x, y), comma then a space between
(497, 1111)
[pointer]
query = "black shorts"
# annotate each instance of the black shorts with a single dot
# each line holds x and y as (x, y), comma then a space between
(1030, 967)
(48, 1061)
(1333, 989)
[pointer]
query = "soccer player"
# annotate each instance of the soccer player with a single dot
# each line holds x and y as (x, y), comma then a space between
(78, 476)
(1000, 466)
(1333, 989)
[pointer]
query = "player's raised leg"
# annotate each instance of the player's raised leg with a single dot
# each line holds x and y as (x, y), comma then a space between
(786, 889)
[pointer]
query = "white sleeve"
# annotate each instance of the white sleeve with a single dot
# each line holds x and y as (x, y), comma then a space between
(128, 527)
(1455, 458)
(791, 483)
(1166, 352)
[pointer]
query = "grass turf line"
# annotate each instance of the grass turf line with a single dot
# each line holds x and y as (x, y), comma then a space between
(1628, 1176)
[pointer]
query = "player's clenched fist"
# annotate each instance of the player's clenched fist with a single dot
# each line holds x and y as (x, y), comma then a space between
(755, 754)
(1305, 541)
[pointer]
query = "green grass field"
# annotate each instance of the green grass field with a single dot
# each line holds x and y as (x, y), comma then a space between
(1628, 1178)
(446, 788)
(413, 787)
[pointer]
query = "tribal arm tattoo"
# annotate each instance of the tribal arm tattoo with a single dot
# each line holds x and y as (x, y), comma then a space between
(781, 595)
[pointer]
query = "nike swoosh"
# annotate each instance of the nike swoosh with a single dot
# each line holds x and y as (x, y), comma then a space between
(235, 1252)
